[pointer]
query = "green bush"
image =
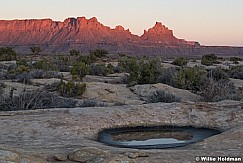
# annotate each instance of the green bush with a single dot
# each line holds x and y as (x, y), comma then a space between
(218, 74)
(235, 59)
(141, 72)
(99, 53)
(180, 61)
(74, 52)
(44, 65)
(71, 89)
(130, 66)
(35, 50)
(209, 59)
(87, 59)
(100, 69)
(190, 78)
(80, 69)
(62, 63)
(22, 69)
(23, 62)
(7, 54)
(236, 72)
(149, 71)
(2, 86)
(184, 78)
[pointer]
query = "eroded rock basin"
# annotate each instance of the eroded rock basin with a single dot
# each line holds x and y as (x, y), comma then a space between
(70, 135)
(154, 137)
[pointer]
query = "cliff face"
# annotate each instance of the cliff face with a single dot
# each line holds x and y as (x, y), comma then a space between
(87, 34)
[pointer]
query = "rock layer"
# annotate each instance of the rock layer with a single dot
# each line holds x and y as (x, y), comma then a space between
(70, 134)
(88, 34)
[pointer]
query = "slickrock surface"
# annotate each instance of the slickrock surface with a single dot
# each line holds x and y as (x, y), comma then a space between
(69, 135)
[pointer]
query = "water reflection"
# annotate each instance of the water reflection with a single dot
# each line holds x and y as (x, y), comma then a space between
(153, 142)
(154, 137)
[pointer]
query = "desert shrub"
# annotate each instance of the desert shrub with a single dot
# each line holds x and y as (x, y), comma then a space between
(184, 78)
(71, 89)
(218, 74)
(99, 53)
(51, 74)
(236, 72)
(110, 68)
(99, 69)
(235, 59)
(2, 86)
(219, 90)
(118, 69)
(35, 50)
(45, 65)
(3, 75)
(168, 76)
(209, 59)
(87, 59)
(80, 69)
(149, 71)
(238, 75)
(35, 100)
(62, 64)
(130, 66)
(142, 72)
(162, 96)
(11, 76)
(24, 78)
(22, 69)
(191, 78)
(180, 61)
(89, 103)
(7, 54)
(23, 62)
(12, 67)
(74, 52)
(36, 74)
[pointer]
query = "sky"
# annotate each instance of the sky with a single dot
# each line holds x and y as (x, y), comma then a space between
(210, 22)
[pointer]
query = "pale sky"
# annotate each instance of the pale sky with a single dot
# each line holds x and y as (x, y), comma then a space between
(211, 22)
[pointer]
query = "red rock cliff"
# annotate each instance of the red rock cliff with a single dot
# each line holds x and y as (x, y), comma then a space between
(87, 34)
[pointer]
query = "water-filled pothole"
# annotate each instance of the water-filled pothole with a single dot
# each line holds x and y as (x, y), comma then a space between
(154, 137)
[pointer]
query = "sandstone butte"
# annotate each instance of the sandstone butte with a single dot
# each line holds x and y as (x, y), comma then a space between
(89, 34)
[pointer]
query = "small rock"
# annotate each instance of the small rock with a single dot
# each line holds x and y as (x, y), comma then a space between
(60, 157)
(134, 155)
(8, 155)
(88, 154)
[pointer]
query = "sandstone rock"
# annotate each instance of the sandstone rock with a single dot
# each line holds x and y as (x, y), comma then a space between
(110, 93)
(111, 78)
(37, 134)
(45, 81)
(147, 89)
(7, 156)
(18, 87)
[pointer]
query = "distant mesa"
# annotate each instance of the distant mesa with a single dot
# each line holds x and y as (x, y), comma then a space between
(87, 34)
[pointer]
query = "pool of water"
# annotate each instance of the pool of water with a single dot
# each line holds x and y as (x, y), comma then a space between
(154, 137)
